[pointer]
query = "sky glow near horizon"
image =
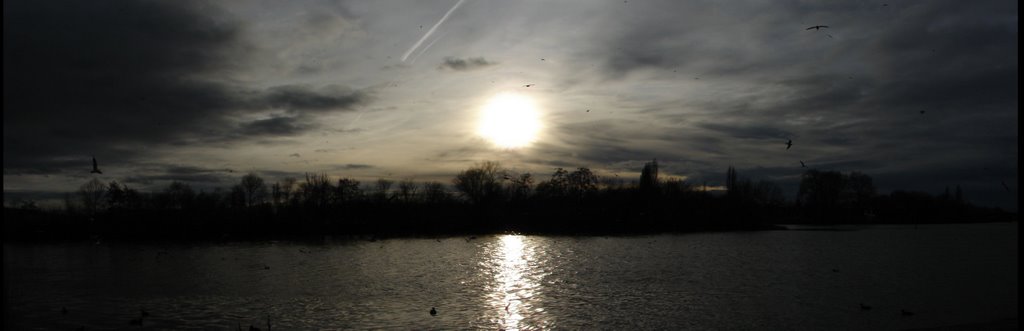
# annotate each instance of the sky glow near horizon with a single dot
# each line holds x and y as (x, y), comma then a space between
(203, 93)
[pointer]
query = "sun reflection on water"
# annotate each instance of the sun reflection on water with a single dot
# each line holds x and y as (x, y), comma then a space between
(515, 284)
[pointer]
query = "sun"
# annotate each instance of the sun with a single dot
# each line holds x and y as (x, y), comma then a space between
(509, 120)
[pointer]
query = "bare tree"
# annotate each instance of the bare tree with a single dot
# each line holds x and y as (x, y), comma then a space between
(520, 187)
(178, 195)
(91, 193)
(407, 190)
(434, 192)
(479, 183)
(649, 176)
(254, 188)
(347, 190)
(316, 191)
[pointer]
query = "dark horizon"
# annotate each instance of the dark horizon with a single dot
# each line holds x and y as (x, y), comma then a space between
(484, 199)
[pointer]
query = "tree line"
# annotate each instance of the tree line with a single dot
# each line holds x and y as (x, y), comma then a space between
(484, 198)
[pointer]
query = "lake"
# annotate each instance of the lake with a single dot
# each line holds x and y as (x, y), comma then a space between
(806, 278)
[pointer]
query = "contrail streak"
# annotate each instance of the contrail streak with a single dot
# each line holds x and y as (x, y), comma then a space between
(425, 48)
(431, 31)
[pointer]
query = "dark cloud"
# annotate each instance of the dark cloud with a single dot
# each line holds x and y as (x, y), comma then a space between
(83, 79)
(302, 98)
(351, 166)
(274, 126)
(106, 79)
(747, 132)
(459, 64)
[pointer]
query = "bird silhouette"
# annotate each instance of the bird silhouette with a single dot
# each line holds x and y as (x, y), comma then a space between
(95, 168)
(528, 85)
(64, 310)
(789, 144)
(864, 307)
(817, 27)
(802, 165)
(1004, 186)
(433, 312)
(922, 112)
(906, 313)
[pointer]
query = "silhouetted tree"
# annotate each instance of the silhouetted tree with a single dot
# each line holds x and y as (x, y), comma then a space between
(91, 194)
(479, 183)
(178, 195)
(236, 198)
(316, 191)
(557, 186)
(574, 184)
(649, 177)
(768, 194)
(116, 197)
(348, 190)
(254, 188)
(862, 189)
(434, 192)
(730, 181)
(676, 187)
(407, 190)
(583, 182)
(520, 187)
(70, 206)
(382, 189)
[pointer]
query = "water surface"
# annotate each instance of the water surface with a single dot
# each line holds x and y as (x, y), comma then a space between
(793, 280)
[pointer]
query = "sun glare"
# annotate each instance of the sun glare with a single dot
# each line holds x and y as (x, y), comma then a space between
(509, 121)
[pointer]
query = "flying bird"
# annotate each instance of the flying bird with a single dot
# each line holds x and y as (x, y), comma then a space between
(1004, 186)
(864, 307)
(789, 144)
(817, 27)
(528, 85)
(802, 165)
(433, 312)
(906, 313)
(95, 168)
(922, 112)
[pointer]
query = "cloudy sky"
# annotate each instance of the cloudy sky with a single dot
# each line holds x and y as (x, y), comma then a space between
(920, 95)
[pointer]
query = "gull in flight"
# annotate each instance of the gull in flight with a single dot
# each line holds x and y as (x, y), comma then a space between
(802, 165)
(817, 27)
(789, 144)
(95, 169)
